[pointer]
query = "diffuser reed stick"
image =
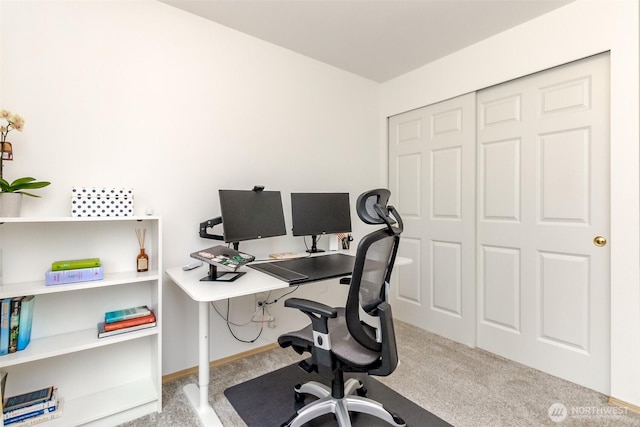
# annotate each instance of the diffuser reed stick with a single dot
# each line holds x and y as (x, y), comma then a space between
(141, 235)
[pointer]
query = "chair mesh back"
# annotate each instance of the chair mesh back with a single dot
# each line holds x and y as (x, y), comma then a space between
(375, 273)
(371, 271)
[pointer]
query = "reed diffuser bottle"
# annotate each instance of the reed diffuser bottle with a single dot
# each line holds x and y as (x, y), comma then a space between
(143, 258)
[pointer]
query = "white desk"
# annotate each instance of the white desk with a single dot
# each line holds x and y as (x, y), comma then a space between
(205, 292)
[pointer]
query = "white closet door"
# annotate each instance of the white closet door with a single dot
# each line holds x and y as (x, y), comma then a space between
(543, 197)
(432, 181)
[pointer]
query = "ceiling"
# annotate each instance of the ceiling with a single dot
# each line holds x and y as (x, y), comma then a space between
(376, 39)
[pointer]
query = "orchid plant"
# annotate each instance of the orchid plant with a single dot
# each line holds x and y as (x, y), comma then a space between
(16, 122)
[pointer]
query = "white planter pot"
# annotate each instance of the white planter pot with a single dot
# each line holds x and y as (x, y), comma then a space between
(10, 204)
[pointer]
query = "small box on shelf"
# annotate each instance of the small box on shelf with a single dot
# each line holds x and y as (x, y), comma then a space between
(93, 202)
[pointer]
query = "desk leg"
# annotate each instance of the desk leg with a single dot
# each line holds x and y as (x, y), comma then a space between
(199, 395)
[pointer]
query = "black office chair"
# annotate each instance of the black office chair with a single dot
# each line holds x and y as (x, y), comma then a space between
(358, 337)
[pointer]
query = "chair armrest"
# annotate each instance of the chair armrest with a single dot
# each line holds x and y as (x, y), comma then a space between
(318, 313)
(311, 307)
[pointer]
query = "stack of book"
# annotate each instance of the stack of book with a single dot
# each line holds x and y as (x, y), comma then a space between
(74, 270)
(126, 320)
(32, 408)
(16, 318)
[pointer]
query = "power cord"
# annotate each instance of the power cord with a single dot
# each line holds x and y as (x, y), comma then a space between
(280, 297)
(229, 323)
(252, 319)
(226, 318)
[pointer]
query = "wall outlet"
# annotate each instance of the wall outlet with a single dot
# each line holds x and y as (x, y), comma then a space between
(271, 321)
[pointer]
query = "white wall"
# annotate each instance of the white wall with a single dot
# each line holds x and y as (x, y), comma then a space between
(578, 30)
(139, 94)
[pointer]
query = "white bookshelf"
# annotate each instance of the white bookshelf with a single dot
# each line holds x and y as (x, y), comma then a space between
(106, 381)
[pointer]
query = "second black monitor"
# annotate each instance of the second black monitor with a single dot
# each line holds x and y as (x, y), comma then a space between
(315, 214)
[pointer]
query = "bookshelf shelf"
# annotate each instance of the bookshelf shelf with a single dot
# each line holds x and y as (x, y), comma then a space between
(138, 396)
(38, 287)
(57, 345)
(103, 381)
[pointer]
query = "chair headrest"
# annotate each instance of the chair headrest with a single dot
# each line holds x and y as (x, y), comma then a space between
(366, 202)
(372, 208)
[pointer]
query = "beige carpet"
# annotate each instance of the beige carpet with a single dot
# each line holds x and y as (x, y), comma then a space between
(463, 386)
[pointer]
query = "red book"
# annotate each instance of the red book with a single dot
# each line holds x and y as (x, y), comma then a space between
(149, 318)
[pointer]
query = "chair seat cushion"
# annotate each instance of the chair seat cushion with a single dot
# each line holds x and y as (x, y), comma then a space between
(345, 348)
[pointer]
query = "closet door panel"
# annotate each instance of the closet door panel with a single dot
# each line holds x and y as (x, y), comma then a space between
(543, 197)
(432, 181)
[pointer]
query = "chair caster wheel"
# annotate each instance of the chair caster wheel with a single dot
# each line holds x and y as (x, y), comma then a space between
(297, 395)
(362, 391)
(397, 419)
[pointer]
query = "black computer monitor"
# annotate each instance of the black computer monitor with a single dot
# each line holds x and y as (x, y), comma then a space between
(314, 214)
(251, 214)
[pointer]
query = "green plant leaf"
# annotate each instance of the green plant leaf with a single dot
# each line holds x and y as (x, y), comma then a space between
(31, 185)
(21, 181)
(20, 184)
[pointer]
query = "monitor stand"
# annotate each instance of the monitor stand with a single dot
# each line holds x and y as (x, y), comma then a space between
(314, 248)
(221, 276)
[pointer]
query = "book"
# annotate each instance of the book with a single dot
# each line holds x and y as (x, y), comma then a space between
(12, 421)
(222, 256)
(32, 410)
(26, 321)
(73, 276)
(14, 324)
(27, 399)
(103, 334)
(126, 313)
(39, 419)
(73, 264)
(3, 383)
(285, 255)
(5, 310)
(135, 321)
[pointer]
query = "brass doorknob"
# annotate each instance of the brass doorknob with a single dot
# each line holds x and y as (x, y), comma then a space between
(599, 241)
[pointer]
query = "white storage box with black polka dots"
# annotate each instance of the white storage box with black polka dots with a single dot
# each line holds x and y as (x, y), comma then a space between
(92, 202)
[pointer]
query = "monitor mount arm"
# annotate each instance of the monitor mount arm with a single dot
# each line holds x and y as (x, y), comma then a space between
(210, 224)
